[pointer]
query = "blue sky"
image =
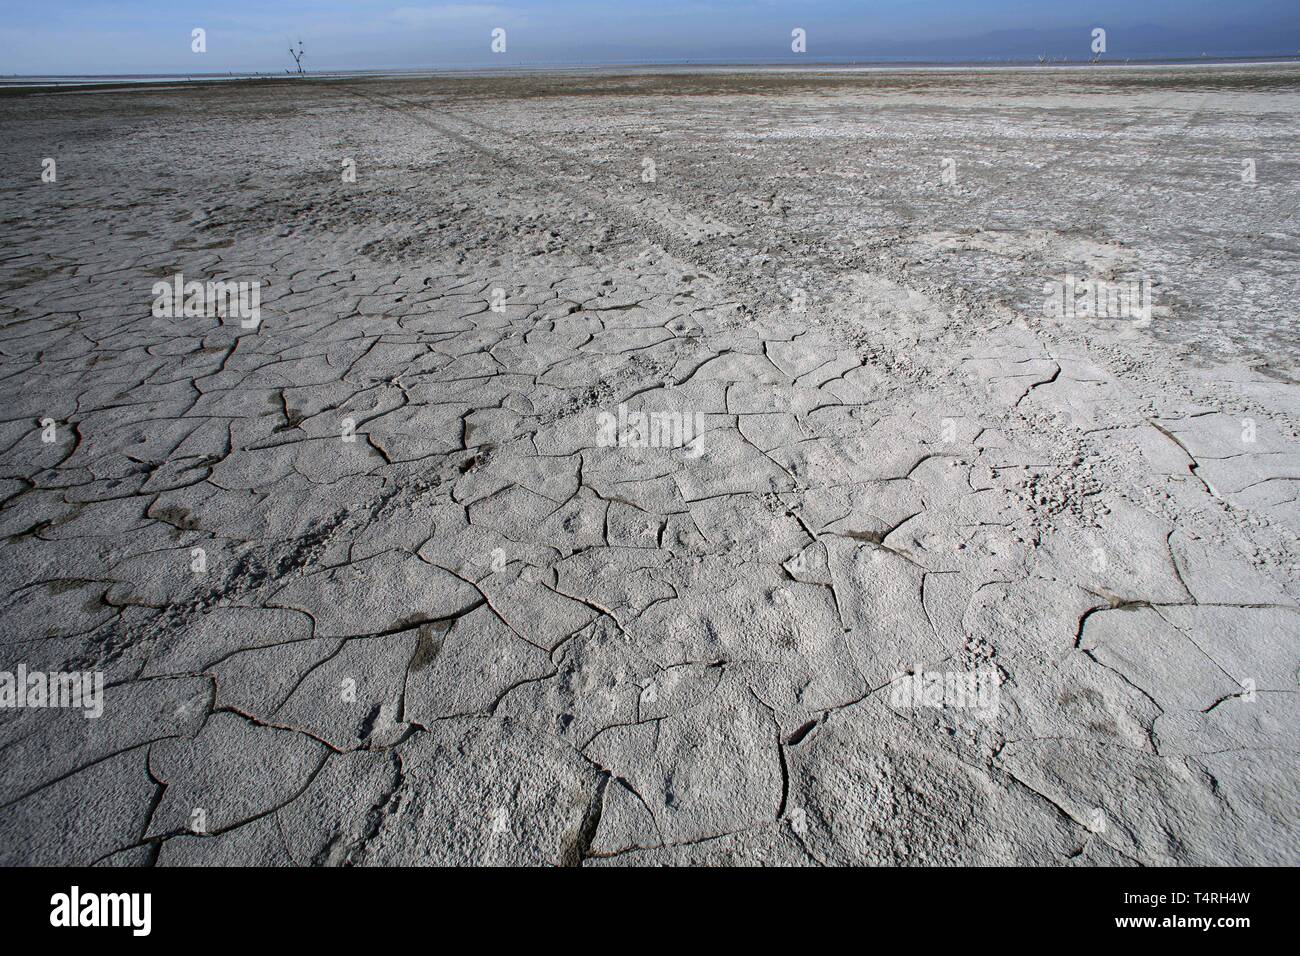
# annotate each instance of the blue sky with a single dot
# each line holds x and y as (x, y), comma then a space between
(152, 36)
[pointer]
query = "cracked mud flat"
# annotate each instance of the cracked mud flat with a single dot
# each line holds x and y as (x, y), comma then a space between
(476, 634)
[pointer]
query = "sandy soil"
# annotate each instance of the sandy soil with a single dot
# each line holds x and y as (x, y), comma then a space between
(913, 571)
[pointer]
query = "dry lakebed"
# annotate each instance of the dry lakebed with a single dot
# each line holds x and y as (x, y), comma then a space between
(720, 467)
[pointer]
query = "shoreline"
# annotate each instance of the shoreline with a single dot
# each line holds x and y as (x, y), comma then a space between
(75, 84)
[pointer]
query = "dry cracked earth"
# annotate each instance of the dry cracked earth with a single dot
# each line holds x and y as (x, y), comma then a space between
(368, 585)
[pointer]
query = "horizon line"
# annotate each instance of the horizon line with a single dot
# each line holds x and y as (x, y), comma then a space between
(1170, 58)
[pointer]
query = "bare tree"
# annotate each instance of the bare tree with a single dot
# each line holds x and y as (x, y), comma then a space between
(297, 56)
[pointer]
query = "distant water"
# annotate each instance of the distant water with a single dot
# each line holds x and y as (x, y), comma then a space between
(803, 62)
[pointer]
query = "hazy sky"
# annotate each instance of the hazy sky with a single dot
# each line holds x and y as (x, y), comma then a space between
(150, 36)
